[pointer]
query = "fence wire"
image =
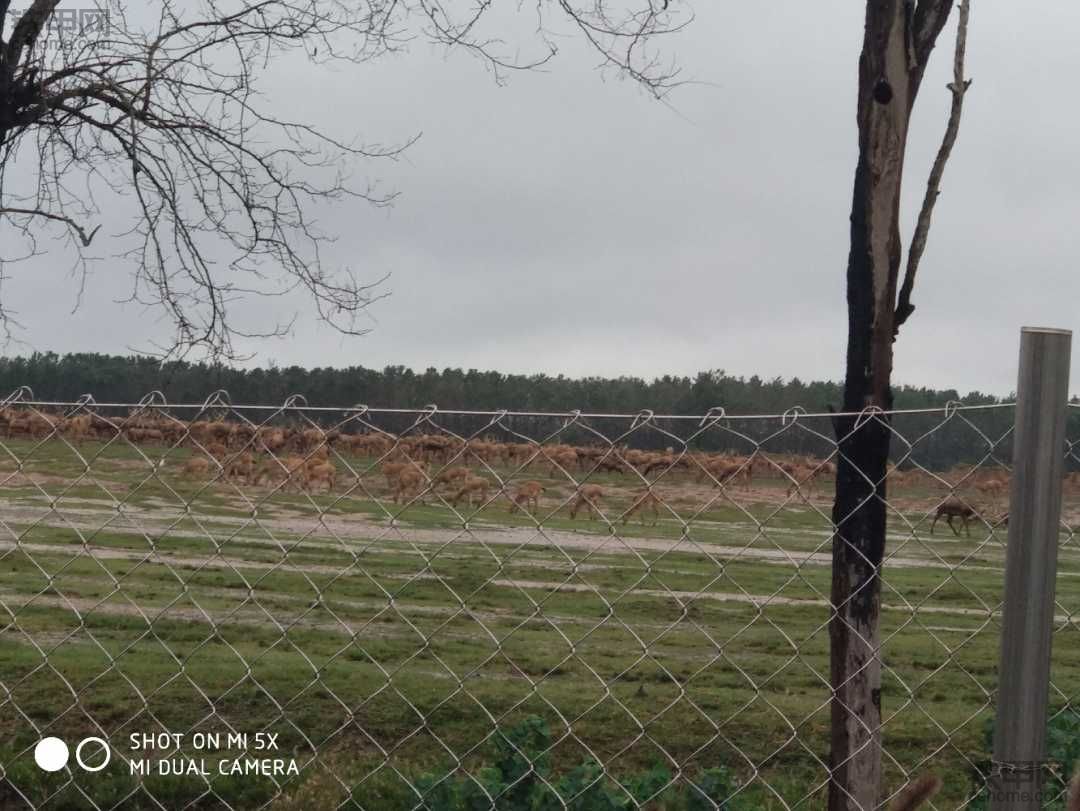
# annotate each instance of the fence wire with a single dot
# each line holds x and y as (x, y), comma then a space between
(302, 607)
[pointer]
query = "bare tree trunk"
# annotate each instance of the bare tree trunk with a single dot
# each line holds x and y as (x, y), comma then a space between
(898, 39)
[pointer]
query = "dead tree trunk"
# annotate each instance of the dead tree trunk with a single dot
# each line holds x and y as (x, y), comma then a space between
(899, 37)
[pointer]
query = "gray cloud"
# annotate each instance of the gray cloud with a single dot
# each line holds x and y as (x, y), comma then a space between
(569, 224)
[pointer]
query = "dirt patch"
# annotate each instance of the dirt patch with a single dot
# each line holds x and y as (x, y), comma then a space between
(360, 534)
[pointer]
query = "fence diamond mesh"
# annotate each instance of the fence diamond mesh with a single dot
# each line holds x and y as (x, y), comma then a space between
(303, 607)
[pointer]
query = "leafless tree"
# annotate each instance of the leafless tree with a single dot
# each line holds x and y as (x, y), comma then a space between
(899, 37)
(159, 114)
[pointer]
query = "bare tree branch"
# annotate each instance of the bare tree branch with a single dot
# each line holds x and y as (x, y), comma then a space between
(163, 117)
(958, 87)
(74, 226)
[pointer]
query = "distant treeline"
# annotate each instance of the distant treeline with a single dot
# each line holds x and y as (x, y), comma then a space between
(126, 379)
(117, 379)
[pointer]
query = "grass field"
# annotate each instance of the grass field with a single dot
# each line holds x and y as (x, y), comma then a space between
(392, 641)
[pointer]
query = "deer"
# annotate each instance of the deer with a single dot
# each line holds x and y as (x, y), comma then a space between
(611, 464)
(321, 472)
(452, 475)
(657, 461)
(992, 488)
(410, 479)
(240, 467)
(270, 439)
(644, 500)
(526, 496)
(291, 468)
(470, 486)
(588, 496)
(78, 428)
(561, 458)
(720, 470)
(803, 477)
(954, 508)
(392, 470)
(197, 467)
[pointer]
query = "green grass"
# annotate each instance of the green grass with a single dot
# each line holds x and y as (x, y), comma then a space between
(377, 650)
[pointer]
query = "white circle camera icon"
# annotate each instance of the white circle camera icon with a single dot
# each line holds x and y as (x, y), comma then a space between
(51, 754)
(104, 747)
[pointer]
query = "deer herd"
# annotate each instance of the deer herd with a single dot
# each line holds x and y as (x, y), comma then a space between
(303, 456)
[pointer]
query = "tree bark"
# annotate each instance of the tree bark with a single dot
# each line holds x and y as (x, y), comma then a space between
(897, 43)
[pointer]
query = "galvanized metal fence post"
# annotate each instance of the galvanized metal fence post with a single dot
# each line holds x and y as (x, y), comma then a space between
(1030, 569)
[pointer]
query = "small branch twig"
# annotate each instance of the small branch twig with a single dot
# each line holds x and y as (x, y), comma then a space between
(84, 237)
(958, 87)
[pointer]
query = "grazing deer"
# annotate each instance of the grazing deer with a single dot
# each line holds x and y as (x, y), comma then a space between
(721, 471)
(291, 469)
(197, 467)
(611, 464)
(657, 462)
(954, 508)
(240, 467)
(392, 470)
(217, 450)
(803, 477)
(452, 475)
(992, 488)
(644, 500)
(472, 486)
(562, 459)
(588, 496)
(526, 496)
(409, 480)
(78, 428)
(322, 472)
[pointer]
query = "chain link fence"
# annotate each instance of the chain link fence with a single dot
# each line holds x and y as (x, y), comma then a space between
(222, 606)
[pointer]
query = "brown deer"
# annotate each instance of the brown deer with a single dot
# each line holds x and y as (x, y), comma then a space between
(588, 496)
(721, 471)
(803, 477)
(472, 486)
(526, 496)
(410, 479)
(992, 488)
(452, 475)
(954, 508)
(217, 450)
(657, 461)
(644, 500)
(560, 459)
(78, 428)
(321, 472)
(392, 470)
(197, 467)
(291, 469)
(240, 467)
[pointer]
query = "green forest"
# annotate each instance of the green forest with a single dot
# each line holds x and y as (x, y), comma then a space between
(116, 379)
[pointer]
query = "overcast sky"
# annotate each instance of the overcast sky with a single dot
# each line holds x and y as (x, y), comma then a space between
(565, 223)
